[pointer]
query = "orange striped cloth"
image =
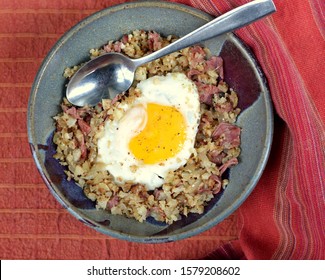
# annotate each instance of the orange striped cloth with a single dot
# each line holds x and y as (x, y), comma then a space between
(284, 216)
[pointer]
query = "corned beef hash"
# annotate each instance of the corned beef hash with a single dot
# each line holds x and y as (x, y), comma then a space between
(160, 149)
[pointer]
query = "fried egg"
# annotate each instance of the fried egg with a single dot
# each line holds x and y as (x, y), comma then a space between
(154, 134)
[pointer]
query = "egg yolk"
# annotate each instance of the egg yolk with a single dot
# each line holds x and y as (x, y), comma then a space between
(162, 137)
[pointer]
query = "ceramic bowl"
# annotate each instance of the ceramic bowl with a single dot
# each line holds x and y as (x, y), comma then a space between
(241, 72)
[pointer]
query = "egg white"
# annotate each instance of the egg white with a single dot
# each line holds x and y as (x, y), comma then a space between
(174, 89)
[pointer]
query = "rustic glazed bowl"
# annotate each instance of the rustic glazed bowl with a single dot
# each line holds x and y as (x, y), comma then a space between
(241, 72)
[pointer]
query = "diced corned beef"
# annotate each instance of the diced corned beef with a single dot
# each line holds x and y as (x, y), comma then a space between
(215, 63)
(153, 41)
(125, 38)
(118, 47)
(108, 48)
(216, 156)
(206, 92)
(113, 47)
(197, 50)
(227, 134)
(87, 118)
(231, 162)
(83, 147)
(206, 98)
(214, 182)
(192, 73)
(196, 56)
(84, 127)
(112, 202)
(72, 111)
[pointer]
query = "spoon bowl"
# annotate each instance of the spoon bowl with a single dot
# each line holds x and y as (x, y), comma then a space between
(113, 73)
(103, 77)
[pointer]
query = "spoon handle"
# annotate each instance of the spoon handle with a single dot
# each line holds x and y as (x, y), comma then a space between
(234, 19)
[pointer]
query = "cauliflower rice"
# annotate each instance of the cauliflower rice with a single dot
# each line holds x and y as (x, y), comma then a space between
(187, 189)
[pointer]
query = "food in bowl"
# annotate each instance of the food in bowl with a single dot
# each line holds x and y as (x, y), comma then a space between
(161, 149)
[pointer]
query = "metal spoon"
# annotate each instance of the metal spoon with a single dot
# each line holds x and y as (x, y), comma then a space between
(113, 73)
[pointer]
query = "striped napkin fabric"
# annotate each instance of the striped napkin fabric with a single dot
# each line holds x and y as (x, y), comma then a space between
(284, 216)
